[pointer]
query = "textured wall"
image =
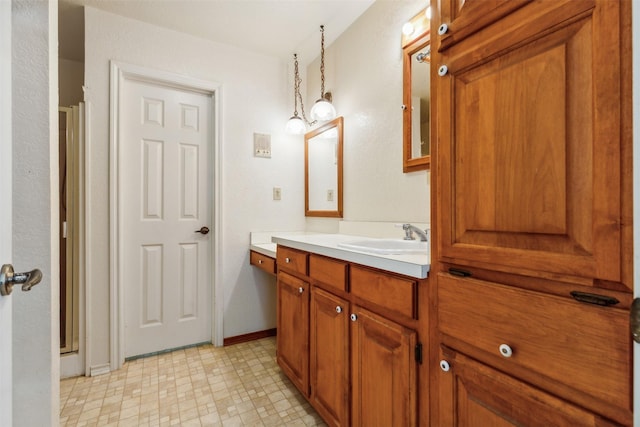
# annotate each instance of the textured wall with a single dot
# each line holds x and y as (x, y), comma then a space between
(363, 70)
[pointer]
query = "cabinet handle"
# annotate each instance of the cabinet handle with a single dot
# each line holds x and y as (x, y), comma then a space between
(354, 317)
(444, 365)
(442, 29)
(443, 70)
(505, 350)
(338, 309)
(300, 290)
(259, 261)
(287, 260)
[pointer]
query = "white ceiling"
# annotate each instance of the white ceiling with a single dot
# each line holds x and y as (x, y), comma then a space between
(272, 27)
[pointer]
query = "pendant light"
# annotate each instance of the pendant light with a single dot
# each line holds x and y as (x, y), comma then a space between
(296, 125)
(323, 110)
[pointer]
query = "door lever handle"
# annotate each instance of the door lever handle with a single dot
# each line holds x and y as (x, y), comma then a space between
(203, 230)
(8, 278)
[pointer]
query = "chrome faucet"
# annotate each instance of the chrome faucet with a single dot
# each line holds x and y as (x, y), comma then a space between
(410, 229)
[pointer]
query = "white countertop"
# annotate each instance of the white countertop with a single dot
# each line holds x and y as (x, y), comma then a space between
(414, 265)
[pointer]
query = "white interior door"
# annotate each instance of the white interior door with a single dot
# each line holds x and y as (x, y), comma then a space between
(165, 184)
(6, 384)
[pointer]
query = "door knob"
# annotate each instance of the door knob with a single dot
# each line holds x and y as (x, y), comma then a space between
(8, 278)
(203, 230)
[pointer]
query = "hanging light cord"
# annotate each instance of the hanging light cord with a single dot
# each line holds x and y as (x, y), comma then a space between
(297, 95)
(321, 61)
(296, 84)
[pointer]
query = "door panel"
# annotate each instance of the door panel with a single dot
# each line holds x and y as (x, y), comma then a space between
(329, 365)
(476, 395)
(293, 329)
(530, 142)
(165, 138)
(383, 372)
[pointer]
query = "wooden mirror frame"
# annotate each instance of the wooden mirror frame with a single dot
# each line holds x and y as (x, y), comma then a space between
(411, 44)
(338, 124)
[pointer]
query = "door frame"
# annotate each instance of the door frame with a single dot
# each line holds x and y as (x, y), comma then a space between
(119, 73)
(6, 214)
(635, 52)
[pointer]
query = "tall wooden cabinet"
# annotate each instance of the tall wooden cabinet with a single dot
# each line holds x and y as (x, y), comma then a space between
(532, 212)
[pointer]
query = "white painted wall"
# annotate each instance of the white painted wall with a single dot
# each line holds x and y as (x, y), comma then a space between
(35, 212)
(363, 70)
(255, 91)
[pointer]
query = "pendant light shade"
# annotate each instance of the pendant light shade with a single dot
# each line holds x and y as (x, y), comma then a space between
(323, 110)
(295, 126)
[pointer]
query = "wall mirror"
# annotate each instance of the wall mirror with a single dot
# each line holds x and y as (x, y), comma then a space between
(416, 48)
(323, 170)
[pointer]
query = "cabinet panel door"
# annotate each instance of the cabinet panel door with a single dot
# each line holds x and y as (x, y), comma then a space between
(529, 133)
(293, 330)
(473, 394)
(383, 371)
(329, 364)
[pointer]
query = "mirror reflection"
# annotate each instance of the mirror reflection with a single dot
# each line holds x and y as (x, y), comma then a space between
(416, 94)
(420, 102)
(323, 170)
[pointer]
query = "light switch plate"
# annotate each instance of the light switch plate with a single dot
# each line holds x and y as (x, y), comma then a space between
(261, 145)
(277, 193)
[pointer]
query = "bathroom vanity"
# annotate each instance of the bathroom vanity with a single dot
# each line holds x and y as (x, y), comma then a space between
(352, 328)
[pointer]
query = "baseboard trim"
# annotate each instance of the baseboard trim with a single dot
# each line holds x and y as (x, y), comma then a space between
(100, 370)
(249, 337)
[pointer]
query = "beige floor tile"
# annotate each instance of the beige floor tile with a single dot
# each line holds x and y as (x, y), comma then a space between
(240, 385)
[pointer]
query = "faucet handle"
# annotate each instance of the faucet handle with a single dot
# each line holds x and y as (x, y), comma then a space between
(408, 232)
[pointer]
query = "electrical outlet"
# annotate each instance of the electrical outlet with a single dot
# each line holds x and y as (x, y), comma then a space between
(329, 195)
(277, 193)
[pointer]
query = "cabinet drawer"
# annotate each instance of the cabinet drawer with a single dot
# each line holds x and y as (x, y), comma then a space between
(263, 262)
(292, 259)
(391, 292)
(582, 346)
(332, 273)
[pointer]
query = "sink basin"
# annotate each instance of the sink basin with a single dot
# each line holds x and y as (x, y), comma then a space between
(387, 246)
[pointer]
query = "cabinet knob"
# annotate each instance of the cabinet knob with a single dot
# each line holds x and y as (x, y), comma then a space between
(444, 365)
(442, 29)
(287, 260)
(353, 317)
(443, 70)
(259, 261)
(338, 309)
(300, 290)
(505, 350)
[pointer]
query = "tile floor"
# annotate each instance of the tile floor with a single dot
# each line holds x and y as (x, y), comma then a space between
(239, 385)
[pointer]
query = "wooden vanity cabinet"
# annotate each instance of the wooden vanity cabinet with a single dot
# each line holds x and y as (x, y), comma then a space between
(361, 351)
(533, 176)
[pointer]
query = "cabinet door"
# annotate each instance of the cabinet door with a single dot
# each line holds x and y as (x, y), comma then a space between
(329, 364)
(293, 330)
(383, 371)
(473, 394)
(530, 136)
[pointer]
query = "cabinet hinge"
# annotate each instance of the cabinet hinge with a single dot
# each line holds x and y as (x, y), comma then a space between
(418, 353)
